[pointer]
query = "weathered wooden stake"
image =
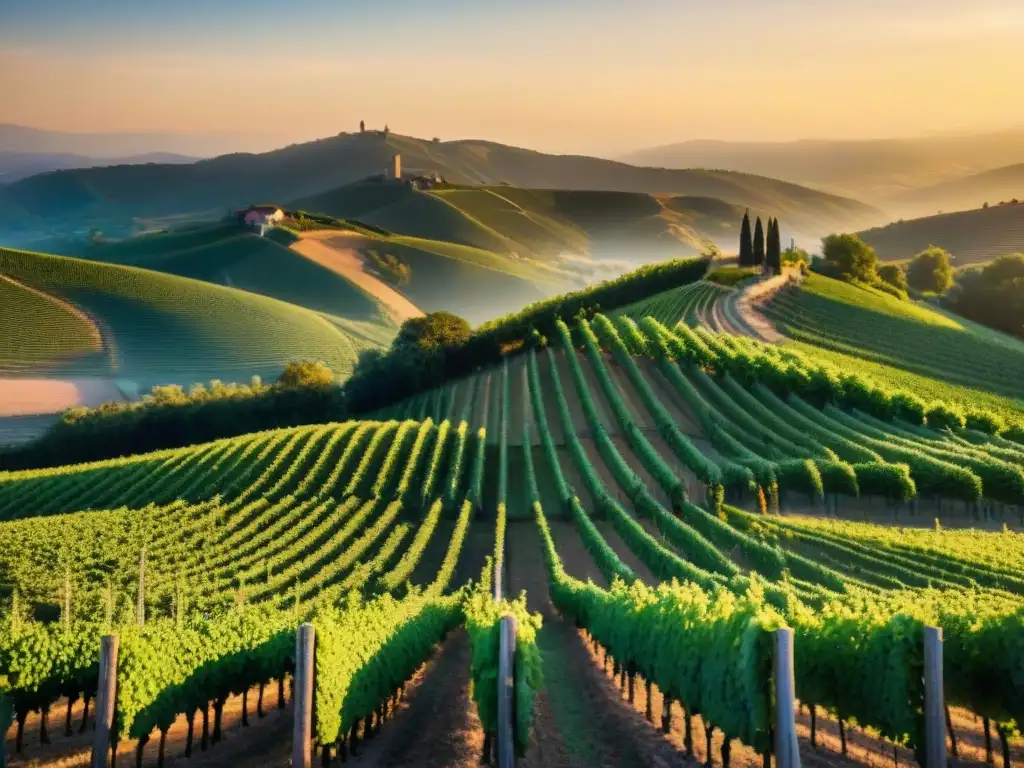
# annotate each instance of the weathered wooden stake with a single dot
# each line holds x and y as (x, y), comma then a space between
(666, 714)
(650, 701)
(302, 695)
(814, 727)
(105, 700)
(787, 751)
(934, 706)
(506, 693)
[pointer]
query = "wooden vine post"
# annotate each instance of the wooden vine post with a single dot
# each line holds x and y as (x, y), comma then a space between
(506, 692)
(934, 700)
(302, 696)
(105, 699)
(787, 751)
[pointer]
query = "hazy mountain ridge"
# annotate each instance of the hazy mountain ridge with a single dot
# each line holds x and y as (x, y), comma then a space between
(879, 171)
(302, 170)
(20, 165)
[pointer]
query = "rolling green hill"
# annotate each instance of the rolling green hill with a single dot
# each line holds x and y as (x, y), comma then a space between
(970, 236)
(230, 255)
(540, 224)
(40, 330)
(862, 323)
(161, 328)
(111, 197)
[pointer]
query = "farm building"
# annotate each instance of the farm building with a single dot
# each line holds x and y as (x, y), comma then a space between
(260, 217)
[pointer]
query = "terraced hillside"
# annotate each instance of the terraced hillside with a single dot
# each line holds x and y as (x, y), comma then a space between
(863, 323)
(156, 328)
(972, 237)
(629, 454)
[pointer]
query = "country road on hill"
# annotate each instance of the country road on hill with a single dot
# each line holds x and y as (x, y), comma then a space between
(329, 249)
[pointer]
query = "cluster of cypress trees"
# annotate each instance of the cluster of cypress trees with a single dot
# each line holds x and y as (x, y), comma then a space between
(761, 249)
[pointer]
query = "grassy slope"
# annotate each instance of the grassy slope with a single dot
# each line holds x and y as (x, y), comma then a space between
(228, 255)
(903, 335)
(476, 284)
(970, 236)
(39, 330)
(169, 328)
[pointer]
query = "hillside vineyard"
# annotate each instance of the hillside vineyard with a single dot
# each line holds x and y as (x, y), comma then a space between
(631, 475)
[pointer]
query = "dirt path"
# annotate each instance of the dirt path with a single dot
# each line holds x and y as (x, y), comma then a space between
(36, 397)
(582, 720)
(435, 725)
(746, 306)
(335, 252)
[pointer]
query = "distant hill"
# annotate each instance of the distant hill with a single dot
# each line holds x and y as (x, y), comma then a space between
(970, 236)
(992, 187)
(878, 171)
(104, 196)
(21, 165)
(24, 139)
(79, 318)
(473, 282)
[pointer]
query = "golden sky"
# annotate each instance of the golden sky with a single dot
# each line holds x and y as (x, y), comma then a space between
(592, 77)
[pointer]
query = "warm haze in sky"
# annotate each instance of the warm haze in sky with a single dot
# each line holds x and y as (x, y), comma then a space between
(593, 76)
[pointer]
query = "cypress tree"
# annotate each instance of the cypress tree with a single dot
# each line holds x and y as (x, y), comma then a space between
(746, 244)
(758, 243)
(775, 248)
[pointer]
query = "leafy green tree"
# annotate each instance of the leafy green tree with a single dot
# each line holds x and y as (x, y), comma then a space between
(758, 243)
(850, 257)
(433, 331)
(746, 243)
(993, 295)
(930, 270)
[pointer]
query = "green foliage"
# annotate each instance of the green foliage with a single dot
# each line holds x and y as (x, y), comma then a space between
(930, 270)
(483, 623)
(850, 257)
(165, 669)
(894, 275)
(730, 276)
(773, 252)
(307, 373)
(746, 253)
(992, 295)
(759, 254)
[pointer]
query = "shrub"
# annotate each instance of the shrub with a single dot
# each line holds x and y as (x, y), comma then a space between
(893, 274)
(985, 421)
(930, 270)
(306, 373)
(908, 407)
(942, 416)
